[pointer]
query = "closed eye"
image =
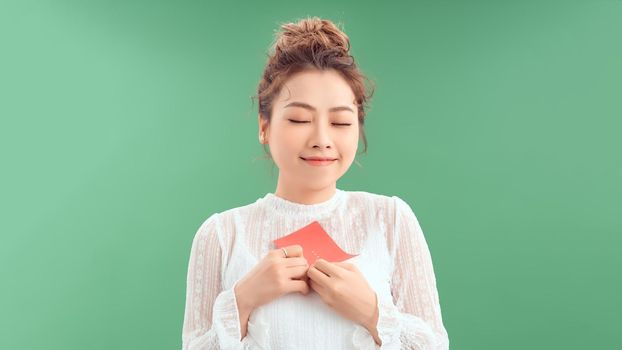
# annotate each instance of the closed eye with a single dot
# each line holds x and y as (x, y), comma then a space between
(304, 121)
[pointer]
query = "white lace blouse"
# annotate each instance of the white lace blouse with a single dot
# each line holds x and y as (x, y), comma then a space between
(393, 256)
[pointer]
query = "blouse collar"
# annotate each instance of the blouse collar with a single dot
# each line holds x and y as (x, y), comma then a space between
(285, 207)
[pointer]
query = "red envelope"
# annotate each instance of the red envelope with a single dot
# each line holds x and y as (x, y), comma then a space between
(315, 242)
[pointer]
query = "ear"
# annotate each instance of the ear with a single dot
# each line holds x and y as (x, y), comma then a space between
(263, 124)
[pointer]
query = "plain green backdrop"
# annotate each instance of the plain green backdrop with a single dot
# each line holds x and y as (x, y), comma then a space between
(125, 124)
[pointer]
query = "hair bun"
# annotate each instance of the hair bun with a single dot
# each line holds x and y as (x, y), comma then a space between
(312, 32)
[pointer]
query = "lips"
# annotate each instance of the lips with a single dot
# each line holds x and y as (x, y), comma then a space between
(317, 158)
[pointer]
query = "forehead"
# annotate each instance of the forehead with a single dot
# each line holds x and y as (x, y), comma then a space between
(320, 88)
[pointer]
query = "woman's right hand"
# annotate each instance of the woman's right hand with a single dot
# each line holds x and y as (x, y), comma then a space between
(274, 276)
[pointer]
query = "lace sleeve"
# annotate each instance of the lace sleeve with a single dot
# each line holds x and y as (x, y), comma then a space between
(414, 315)
(211, 319)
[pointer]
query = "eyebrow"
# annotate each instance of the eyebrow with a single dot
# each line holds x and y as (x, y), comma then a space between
(311, 108)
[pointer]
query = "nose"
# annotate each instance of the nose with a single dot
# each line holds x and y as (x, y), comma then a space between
(321, 136)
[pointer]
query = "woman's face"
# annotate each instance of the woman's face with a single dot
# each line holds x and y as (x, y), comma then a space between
(314, 115)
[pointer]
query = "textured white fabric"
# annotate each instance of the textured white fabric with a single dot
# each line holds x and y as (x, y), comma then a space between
(394, 258)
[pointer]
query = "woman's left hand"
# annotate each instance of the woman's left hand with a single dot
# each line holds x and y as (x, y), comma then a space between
(344, 289)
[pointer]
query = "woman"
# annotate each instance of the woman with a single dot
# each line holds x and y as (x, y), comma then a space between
(242, 293)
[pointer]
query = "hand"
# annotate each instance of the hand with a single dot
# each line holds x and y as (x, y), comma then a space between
(344, 289)
(274, 276)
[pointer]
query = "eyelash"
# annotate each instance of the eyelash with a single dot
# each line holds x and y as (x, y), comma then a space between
(302, 122)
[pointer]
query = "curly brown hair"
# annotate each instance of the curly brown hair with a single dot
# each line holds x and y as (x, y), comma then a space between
(311, 43)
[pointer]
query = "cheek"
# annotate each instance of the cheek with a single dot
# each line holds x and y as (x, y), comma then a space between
(286, 143)
(348, 144)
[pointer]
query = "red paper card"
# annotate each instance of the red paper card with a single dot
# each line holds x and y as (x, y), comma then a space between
(315, 242)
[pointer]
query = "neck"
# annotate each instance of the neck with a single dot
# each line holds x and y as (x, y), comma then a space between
(304, 195)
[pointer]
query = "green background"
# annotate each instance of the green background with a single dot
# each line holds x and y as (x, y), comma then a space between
(125, 124)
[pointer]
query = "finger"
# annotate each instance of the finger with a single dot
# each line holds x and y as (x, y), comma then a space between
(304, 277)
(293, 262)
(318, 276)
(316, 287)
(298, 286)
(292, 251)
(296, 272)
(327, 268)
(345, 265)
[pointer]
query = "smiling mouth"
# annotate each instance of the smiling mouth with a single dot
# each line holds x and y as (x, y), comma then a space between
(319, 160)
